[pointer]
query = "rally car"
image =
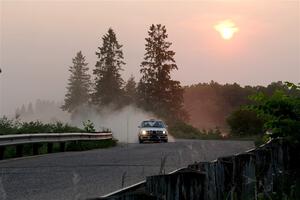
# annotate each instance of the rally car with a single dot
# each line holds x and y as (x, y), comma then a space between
(153, 130)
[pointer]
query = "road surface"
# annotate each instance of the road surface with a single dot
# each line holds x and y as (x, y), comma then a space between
(81, 175)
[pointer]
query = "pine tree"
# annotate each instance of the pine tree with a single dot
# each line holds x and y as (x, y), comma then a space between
(23, 110)
(157, 91)
(78, 86)
(130, 91)
(17, 113)
(108, 80)
(30, 109)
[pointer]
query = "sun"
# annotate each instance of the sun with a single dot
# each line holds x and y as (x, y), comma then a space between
(226, 28)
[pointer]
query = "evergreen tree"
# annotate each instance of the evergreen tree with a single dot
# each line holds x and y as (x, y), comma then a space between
(108, 80)
(130, 91)
(17, 113)
(23, 110)
(30, 109)
(157, 91)
(78, 86)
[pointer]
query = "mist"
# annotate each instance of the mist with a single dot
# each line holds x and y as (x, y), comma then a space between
(123, 123)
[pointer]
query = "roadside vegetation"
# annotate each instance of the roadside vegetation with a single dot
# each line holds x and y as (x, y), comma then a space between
(269, 116)
(210, 104)
(186, 131)
(9, 126)
(276, 116)
(267, 113)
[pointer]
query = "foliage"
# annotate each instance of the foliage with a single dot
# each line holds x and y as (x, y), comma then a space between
(281, 113)
(156, 90)
(130, 91)
(7, 126)
(209, 104)
(244, 123)
(59, 127)
(78, 86)
(34, 127)
(186, 131)
(15, 127)
(108, 80)
(89, 126)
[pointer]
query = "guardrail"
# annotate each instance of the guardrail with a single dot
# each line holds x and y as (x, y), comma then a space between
(19, 139)
(6, 140)
(135, 191)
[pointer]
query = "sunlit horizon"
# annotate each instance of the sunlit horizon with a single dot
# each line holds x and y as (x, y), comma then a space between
(40, 38)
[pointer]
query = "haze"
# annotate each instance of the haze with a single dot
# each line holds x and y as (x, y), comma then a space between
(39, 40)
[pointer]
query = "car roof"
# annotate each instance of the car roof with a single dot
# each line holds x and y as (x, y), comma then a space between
(153, 120)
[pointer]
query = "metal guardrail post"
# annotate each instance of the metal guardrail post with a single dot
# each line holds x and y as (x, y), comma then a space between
(49, 147)
(62, 146)
(2, 151)
(19, 150)
(35, 149)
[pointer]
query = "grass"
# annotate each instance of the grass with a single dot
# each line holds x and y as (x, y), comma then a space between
(185, 131)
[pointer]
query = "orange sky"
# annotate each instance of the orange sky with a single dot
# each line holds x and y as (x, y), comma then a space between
(39, 39)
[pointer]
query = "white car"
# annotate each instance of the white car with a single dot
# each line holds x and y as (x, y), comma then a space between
(153, 130)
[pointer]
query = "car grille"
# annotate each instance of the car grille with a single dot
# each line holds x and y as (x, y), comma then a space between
(155, 132)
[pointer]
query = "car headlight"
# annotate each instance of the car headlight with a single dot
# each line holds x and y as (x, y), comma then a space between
(164, 132)
(144, 132)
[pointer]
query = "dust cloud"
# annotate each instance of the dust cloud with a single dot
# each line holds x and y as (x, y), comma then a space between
(122, 122)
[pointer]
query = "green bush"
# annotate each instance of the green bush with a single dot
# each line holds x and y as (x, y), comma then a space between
(245, 123)
(59, 127)
(34, 127)
(281, 113)
(8, 126)
(186, 131)
(183, 130)
(89, 126)
(270, 116)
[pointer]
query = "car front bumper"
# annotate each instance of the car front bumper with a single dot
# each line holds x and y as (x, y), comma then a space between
(153, 137)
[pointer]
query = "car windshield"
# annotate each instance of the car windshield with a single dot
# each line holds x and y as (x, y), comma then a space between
(156, 124)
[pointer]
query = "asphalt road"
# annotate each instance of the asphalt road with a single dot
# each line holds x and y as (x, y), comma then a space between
(81, 175)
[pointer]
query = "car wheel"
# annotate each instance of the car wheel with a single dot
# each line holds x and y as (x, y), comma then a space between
(141, 141)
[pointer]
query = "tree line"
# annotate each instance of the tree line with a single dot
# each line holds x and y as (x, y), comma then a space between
(155, 91)
(214, 104)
